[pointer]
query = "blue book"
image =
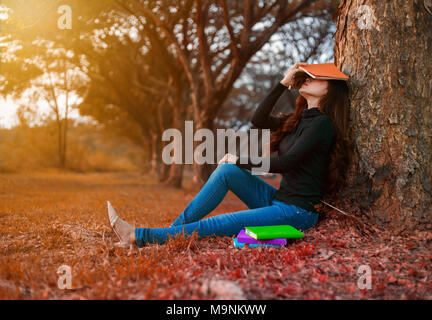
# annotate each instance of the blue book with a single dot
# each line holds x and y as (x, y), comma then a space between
(253, 245)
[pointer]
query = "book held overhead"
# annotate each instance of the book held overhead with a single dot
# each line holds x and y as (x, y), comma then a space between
(318, 71)
(324, 71)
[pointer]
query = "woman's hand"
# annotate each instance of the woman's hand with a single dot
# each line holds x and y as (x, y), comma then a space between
(287, 80)
(228, 158)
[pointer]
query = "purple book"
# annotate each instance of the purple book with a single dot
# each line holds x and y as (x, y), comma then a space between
(242, 237)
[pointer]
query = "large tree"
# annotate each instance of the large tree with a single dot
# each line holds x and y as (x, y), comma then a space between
(214, 40)
(385, 48)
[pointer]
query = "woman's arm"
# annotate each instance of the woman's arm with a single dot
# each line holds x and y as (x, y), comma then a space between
(308, 141)
(262, 118)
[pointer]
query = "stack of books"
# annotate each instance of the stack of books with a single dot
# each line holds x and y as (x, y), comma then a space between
(266, 236)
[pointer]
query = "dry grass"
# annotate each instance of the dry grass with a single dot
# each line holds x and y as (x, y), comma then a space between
(49, 220)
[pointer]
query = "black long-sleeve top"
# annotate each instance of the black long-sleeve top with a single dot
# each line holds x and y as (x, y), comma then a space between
(303, 154)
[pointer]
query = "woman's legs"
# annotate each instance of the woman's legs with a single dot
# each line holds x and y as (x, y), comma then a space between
(230, 224)
(253, 191)
(250, 189)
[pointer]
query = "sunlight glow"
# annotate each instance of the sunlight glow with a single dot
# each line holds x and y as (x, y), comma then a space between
(4, 13)
(8, 117)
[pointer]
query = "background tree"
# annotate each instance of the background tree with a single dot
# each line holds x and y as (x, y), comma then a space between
(145, 84)
(38, 60)
(45, 73)
(151, 70)
(154, 64)
(214, 40)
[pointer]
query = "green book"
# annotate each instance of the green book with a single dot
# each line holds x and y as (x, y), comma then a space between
(273, 232)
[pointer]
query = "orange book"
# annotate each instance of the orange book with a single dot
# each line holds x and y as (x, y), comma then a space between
(324, 71)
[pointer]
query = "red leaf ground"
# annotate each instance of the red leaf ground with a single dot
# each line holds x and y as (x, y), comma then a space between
(49, 220)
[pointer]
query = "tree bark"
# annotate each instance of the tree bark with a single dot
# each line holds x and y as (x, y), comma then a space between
(175, 177)
(385, 49)
(154, 155)
(161, 170)
(201, 172)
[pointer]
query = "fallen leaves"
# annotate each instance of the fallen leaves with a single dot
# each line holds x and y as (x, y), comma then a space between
(326, 254)
(64, 223)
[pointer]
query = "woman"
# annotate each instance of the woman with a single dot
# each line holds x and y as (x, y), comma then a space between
(312, 156)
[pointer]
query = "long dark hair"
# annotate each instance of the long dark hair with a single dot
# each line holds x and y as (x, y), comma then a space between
(335, 105)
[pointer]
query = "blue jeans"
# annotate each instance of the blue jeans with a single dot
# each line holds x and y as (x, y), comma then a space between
(258, 196)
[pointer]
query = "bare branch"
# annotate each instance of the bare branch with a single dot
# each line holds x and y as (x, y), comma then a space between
(200, 20)
(234, 41)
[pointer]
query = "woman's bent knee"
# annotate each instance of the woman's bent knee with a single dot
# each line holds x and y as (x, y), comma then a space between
(227, 167)
(227, 172)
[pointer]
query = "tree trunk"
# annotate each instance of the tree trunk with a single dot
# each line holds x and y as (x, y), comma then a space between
(164, 172)
(178, 110)
(201, 172)
(154, 153)
(384, 46)
(161, 169)
(175, 178)
(61, 158)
